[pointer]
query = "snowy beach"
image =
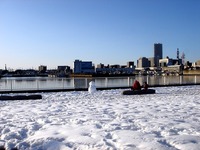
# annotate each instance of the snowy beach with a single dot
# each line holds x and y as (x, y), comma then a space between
(104, 120)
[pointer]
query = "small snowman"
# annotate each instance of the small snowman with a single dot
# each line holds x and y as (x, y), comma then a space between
(92, 87)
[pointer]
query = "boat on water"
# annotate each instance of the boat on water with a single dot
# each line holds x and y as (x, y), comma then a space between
(138, 92)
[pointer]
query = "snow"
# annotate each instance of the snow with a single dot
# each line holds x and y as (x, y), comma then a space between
(167, 120)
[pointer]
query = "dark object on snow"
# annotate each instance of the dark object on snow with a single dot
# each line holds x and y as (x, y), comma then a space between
(20, 97)
(2, 148)
(139, 92)
(136, 85)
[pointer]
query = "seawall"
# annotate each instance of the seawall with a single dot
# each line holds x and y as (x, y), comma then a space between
(86, 89)
(191, 72)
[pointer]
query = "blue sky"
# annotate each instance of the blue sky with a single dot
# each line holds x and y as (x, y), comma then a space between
(56, 32)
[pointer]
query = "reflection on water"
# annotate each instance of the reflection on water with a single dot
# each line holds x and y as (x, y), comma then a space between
(43, 80)
(18, 80)
(38, 83)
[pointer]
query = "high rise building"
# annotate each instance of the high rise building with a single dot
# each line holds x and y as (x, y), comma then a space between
(158, 53)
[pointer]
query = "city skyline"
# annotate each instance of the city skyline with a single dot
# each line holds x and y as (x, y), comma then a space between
(54, 33)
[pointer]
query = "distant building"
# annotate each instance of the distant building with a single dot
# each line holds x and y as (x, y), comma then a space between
(143, 62)
(158, 53)
(63, 68)
(84, 67)
(151, 61)
(42, 69)
(115, 69)
(100, 65)
(169, 62)
(1, 71)
(114, 66)
(165, 62)
(124, 66)
(63, 71)
(177, 61)
(188, 64)
(197, 64)
(171, 66)
(130, 64)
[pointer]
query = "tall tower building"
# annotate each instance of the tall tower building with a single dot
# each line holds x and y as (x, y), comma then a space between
(158, 54)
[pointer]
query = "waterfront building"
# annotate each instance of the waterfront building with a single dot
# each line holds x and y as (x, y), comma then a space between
(85, 67)
(130, 64)
(151, 61)
(166, 62)
(63, 71)
(115, 66)
(188, 64)
(100, 65)
(115, 69)
(158, 53)
(42, 69)
(63, 68)
(177, 61)
(196, 64)
(143, 62)
(169, 62)
(171, 66)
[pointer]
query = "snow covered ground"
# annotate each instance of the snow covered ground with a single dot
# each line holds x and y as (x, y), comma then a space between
(168, 120)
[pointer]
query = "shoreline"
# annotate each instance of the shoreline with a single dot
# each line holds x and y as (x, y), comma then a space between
(185, 73)
(86, 89)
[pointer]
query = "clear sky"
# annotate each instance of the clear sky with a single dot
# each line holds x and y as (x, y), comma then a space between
(56, 32)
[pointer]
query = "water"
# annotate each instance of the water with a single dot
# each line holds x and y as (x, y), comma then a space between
(43, 83)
